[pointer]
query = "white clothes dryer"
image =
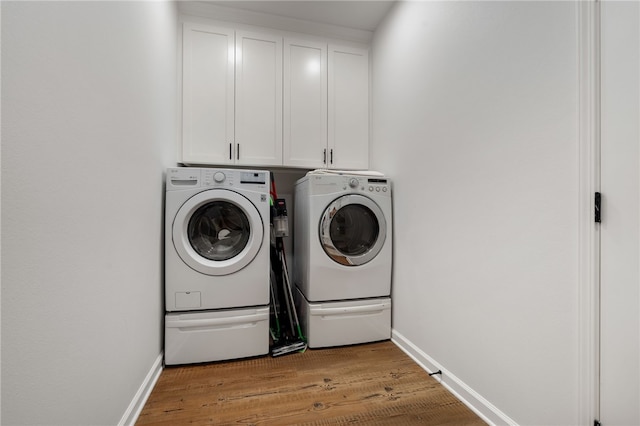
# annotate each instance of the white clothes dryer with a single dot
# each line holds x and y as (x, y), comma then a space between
(216, 264)
(343, 258)
(343, 236)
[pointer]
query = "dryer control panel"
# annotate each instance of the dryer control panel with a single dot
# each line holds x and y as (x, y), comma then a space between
(367, 184)
(377, 185)
(339, 184)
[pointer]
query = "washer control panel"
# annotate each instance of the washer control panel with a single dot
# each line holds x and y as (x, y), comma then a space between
(181, 178)
(237, 178)
(213, 177)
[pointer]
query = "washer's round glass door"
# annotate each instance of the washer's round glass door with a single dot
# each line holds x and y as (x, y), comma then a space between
(217, 232)
(352, 230)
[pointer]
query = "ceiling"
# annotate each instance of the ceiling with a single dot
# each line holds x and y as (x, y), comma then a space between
(357, 14)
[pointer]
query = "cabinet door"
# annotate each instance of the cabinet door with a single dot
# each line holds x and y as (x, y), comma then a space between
(305, 104)
(258, 99)
(207, 94)
(348, 108)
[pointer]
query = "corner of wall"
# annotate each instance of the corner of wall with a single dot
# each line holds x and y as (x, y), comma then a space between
(132, 413)
(472, 399)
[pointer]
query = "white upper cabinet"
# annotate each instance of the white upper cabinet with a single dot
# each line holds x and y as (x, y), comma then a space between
(326, 106)
(232, 97)
(348, 125)
(207, 94)
(250, 99)
(258, 99)
(305, 104)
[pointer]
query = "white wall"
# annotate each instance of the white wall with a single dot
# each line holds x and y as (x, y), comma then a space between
(475, 119)
(88, 127)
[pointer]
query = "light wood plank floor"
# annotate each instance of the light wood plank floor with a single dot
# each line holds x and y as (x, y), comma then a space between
(372, 384)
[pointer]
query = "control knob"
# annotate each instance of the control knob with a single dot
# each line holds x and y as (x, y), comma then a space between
(353, 182)
(219, 177)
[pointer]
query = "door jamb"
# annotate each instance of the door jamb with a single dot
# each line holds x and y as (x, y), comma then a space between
(589, 231)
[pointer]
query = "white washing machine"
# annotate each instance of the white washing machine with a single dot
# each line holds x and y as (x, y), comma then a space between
(343, 257)
(216, 264)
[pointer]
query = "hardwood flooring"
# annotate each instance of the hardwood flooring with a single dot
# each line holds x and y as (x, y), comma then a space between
(372, 384)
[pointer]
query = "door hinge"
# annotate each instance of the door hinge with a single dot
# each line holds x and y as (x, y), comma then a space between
(597, 206)
(596, 423)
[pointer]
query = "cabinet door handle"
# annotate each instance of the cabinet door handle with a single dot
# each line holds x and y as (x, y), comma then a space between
(324, 156)
(331, 156)
(238, 152)
(230, 147)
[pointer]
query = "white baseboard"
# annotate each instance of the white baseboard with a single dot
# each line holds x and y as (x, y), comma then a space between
(133, 411)
(483, 408)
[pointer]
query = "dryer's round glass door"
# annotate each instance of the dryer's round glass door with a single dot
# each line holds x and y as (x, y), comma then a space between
(219, 230)
(352, 230)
